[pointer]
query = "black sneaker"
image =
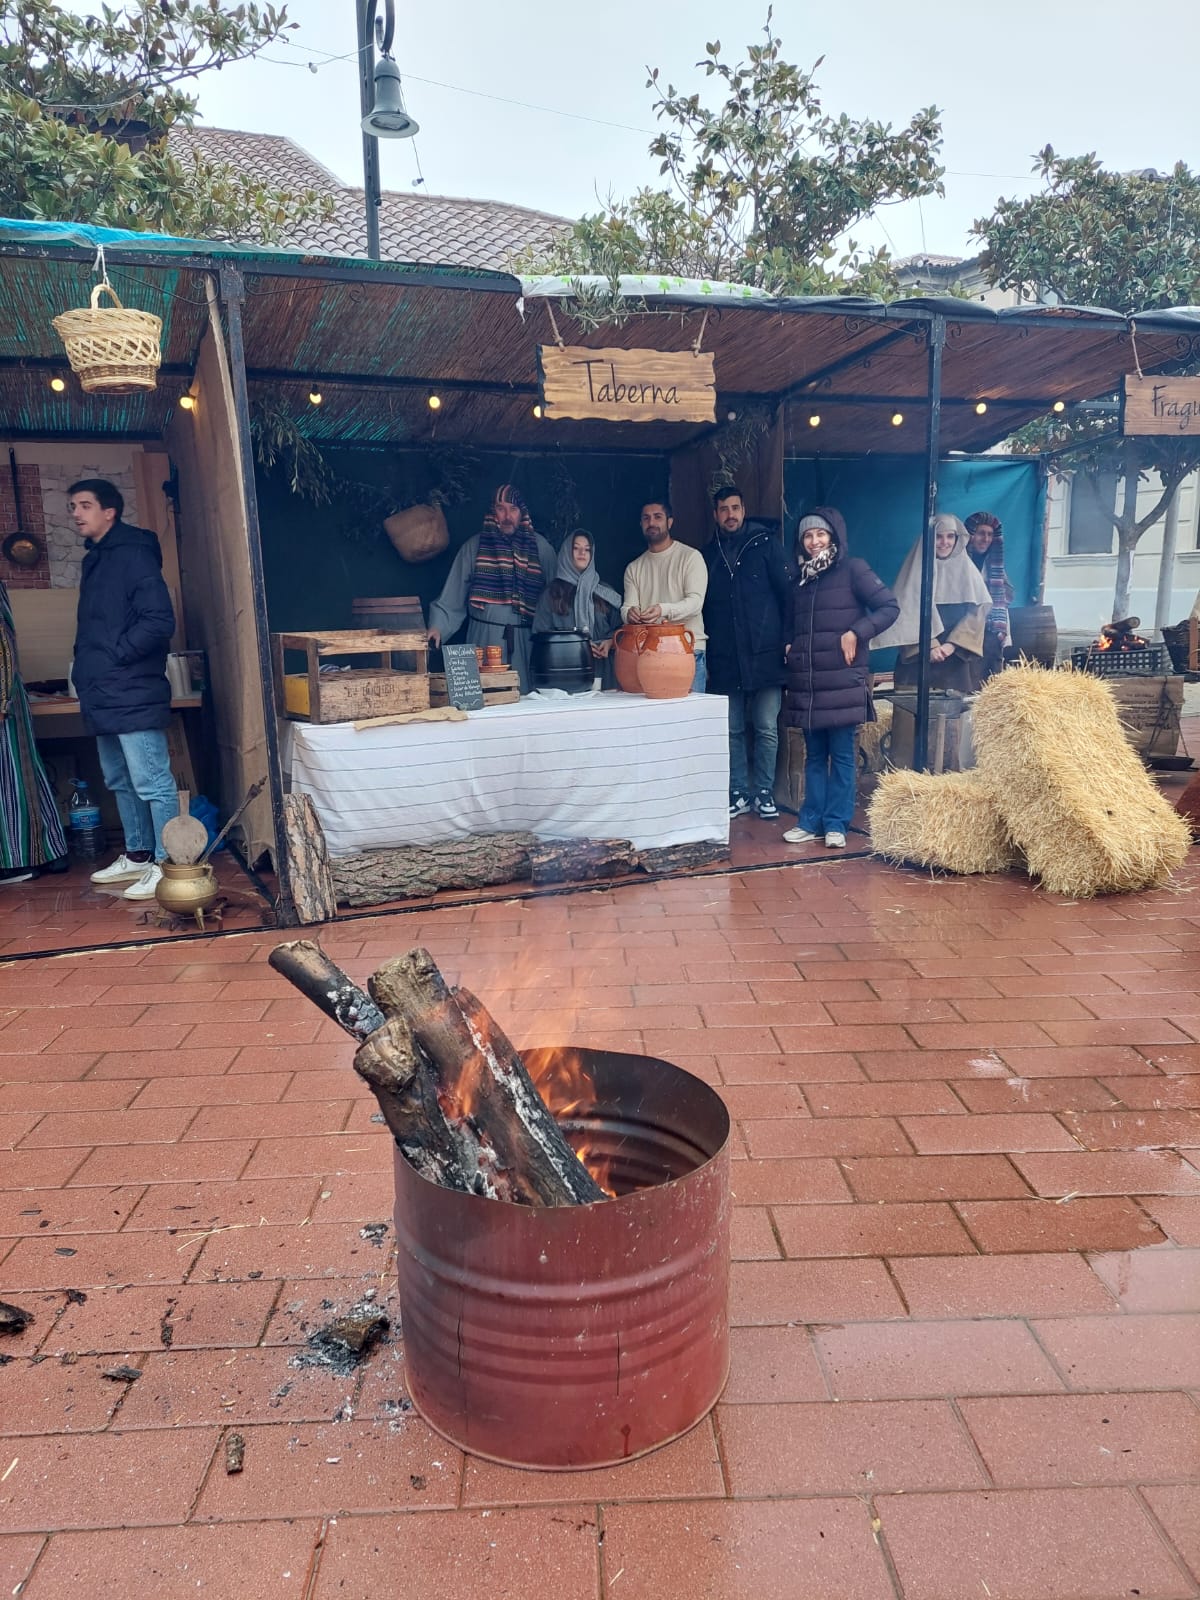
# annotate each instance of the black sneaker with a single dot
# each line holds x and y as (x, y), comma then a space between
(765, 805)
(738, 803)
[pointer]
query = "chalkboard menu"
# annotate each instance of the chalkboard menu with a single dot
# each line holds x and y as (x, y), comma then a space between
(463, 688)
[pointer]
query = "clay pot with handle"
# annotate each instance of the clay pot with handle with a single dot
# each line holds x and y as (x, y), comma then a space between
(626, 644)
(666, 661)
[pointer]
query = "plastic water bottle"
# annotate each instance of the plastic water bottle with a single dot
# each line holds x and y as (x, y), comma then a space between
(84, 828)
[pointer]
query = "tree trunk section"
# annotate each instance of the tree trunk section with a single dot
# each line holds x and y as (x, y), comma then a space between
(581, 860)
(1166, 566)
(683, 857)
(408, 871)
(1126, 545)
(308, 861)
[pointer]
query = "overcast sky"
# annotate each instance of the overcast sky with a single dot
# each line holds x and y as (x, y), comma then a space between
(1081, 75)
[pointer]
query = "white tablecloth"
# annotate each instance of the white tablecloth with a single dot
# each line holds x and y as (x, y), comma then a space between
(607, 766)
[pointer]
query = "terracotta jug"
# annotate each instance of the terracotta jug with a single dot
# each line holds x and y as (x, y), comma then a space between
(666, 661)
(626, 642)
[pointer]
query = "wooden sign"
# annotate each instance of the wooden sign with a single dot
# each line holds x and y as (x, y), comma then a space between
(1162, 405)
(463, 688)
(627, 385)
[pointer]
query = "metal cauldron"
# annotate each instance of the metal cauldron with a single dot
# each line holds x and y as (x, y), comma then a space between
(563, 661)
(186, 891)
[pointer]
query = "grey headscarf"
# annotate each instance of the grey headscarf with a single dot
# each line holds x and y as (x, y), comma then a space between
(586, 583)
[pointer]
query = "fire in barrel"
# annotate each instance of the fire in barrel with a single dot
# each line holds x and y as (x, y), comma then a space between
(562, 1223)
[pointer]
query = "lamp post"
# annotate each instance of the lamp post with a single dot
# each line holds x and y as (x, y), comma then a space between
(383, 113)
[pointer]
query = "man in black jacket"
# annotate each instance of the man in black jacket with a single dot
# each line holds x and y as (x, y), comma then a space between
(744, 611)
(122, 636)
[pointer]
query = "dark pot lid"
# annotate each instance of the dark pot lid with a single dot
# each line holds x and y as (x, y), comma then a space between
(22, 549)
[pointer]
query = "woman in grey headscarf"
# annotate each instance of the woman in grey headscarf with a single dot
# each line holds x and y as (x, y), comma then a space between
(576, 601)
(961, 603)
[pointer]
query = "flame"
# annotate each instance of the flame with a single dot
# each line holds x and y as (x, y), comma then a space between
(565, 1084)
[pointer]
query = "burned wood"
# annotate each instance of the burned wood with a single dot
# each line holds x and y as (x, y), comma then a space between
(306, 966)
(235, 1452)
(581, 860)
(483, 1087)
(683, 857)
(405, 871)
(14, 1319)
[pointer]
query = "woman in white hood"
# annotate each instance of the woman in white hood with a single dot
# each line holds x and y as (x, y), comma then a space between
(961, 603)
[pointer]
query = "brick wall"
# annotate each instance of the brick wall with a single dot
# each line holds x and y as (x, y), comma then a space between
(32, 520)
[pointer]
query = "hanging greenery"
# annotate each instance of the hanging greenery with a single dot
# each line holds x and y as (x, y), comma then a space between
(737, 441)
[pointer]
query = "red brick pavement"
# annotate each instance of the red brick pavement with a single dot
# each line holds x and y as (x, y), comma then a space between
(967, 1174)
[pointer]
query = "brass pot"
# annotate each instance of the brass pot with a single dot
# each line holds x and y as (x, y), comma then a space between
(186, 891)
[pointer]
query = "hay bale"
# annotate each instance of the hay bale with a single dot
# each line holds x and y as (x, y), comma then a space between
(1073, 795)
(948, 820)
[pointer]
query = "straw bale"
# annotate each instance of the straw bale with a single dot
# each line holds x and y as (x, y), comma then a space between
(1074, 796)
(948, 820)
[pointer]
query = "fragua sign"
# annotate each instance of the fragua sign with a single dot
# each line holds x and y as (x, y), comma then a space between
(1162, 406)
(627, 385)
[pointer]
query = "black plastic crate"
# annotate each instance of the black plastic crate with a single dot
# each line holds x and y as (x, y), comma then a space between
(1148, 661)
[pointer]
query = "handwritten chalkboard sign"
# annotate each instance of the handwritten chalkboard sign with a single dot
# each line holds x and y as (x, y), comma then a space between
(463, 688)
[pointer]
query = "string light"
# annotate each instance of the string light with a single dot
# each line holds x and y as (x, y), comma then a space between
(58, 384)
(897, 418)
(187, 402)
(981, 408)
(537, 411)
(315, 397)
(1060, 406)
(814, 421)
(435, 402)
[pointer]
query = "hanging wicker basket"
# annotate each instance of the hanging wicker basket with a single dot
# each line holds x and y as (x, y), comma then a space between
(113, 350)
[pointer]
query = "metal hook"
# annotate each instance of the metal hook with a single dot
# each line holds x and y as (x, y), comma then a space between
(385, 32)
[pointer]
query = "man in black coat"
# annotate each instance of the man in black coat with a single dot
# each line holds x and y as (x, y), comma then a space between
(122, 636)
(744, 611)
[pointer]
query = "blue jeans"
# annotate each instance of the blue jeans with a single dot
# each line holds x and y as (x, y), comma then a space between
(762, 706)
(829, 780)
(137, 770)
(701, 683)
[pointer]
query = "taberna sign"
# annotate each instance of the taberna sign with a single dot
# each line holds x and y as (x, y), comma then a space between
(626, 385)
(1168, 406)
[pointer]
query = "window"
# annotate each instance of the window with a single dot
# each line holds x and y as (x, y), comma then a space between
(1090, 531)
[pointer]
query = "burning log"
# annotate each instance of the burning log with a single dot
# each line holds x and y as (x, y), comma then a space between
(452, 1089)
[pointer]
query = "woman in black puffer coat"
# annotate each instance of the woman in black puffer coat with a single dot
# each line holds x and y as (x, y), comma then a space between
(838, 605)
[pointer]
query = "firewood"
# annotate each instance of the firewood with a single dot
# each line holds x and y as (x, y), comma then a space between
(483, 1083)
(581, 860)
(412, 870)
(308, 856)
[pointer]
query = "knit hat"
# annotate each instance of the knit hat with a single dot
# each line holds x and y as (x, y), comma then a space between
(812, 520)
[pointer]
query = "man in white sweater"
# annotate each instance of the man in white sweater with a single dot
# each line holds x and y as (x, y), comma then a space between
(668, 583)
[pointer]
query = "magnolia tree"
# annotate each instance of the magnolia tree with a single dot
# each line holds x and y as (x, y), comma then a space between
(87, 102)
(1128, 241)
(762, 187)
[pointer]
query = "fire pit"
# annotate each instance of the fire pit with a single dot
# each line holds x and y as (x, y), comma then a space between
(578, 1336)
(1119, 652)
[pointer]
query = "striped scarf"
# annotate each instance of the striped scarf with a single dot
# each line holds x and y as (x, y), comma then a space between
(816, 565)
(508, 568)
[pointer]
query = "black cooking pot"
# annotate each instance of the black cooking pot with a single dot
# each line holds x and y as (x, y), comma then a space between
(562, 661)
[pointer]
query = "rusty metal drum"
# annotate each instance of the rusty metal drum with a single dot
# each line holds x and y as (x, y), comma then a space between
(578, 1336)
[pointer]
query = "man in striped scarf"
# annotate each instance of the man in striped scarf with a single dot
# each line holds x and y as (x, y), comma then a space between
(496, 582)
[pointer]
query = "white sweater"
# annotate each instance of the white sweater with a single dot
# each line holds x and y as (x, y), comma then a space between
(675, 579)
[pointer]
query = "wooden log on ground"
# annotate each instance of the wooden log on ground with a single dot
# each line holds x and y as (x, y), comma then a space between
(482, 1082)
(683, 857)
(308, 861)
(581, 860)
(406, 871)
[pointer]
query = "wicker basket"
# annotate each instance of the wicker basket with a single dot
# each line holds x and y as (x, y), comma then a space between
(113, 350)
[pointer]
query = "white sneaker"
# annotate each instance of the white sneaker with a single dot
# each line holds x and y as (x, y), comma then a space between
(144, 887)
(835, 841)
(798, 836)
(122, 871)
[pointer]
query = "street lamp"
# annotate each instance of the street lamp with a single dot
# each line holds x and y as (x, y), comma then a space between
(383, 113)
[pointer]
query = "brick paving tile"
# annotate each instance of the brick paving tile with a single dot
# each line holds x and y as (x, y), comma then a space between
(1079, 1061)
(1076, 983)
(1178, 1217)
(1182, 1059)
(871, 1230)
(201, 1162)
(981, 1037)
(103, 1480)
(1162, 1279)
(521, 1552)
(1139, 1129)
(1005, 1096)
(884, 1011)
(751, 1236)
(810, 1291)
(1155, 1094)
(211, 1089)
(980, 1133)
(302, 1059)
(39, 1396)
(329, 1469)
(905, 1066)
(846, 1448)
(826, 1136)
(185, 1387)
(1138, 1031)
(796, 1182)
(355, 1197)
(185, 1316)
(1076, 1439)
(332, 1152)
(54, 1211)
(772, 1365)
(88, 1260)
(34, 1068)
(298, 1120)
(197, 1008)
(290, 1250)
(826, 990)
(150, 1062)
(17, 1555)
(1149, 1351)
(304, 1305)
(1026, 1007)
(1015, 1226)
(1100, 1172)
(27, 1095)
(938, 1177)
(1037, 1544)
(790, 1550)
(688, 1469)
(1177, 1508)
(857, 1038)
(162, 1126)
(191, 1207)
(999, 1286)
(893, 1361)
(764, 1100)
(882, 1100)
(108, 1039)
(221, 1562)
(817, 1067)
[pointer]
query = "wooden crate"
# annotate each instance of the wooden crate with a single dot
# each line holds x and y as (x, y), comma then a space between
(349, 696)
(1150, 709)
(499, 688)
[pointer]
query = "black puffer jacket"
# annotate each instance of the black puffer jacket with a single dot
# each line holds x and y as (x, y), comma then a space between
(123, 633)
(822, 691)
(745, 610)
